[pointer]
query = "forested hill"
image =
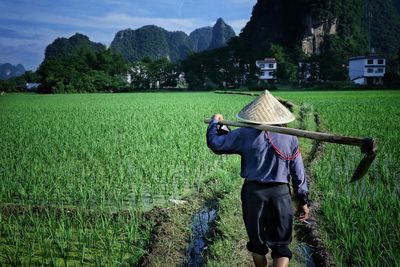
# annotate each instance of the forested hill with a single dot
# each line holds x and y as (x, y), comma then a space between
(310, 25)
(397, 3)
(151, 41)
(201, 38)
(385, 25)
(209, 38)
(64, 47)
(77, 64)
(221, 34)
(326, 32)
(155, 42)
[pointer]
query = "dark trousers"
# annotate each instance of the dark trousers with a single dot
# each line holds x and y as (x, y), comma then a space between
(268, 217)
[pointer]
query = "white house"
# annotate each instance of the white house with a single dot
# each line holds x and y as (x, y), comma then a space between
(368, 69)
(267, 68)
(31, 86)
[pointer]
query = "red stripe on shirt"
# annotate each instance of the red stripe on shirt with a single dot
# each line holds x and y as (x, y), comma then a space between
(280, 153)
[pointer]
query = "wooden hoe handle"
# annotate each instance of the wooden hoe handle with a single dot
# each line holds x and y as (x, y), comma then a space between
(368, 146)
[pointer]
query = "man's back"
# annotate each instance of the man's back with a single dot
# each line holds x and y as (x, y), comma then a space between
(265, 157)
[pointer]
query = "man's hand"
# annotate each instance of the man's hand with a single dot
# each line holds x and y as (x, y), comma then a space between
(303, 212)
(218, 117)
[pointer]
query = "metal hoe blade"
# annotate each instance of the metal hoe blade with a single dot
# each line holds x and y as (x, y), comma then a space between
(370, 148)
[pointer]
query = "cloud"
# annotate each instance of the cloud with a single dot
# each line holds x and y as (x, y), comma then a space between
(9, 33)
(114, 21)
(121, 21)
(238, 2)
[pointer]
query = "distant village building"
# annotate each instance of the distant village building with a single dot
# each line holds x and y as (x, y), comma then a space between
(368, 69)
(128, 78)
(268, 68)
(32, 86)
(182, 83)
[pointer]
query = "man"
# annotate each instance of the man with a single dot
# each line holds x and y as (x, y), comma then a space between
(268, 161)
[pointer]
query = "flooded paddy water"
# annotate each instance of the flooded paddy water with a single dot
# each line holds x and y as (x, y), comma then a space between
(202, 230)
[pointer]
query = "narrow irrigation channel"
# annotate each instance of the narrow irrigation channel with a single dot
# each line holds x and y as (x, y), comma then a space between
(202, 230)
(307, 252)
(183, 231)
(313, 249)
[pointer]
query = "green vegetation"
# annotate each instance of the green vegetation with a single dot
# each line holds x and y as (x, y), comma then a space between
(66, 47)
(277, 29)
(79, 65)
(360, 219)
(18, 84)
(212, 70)
(221, 34)
(332, 31)
(201, 38)
(147, 41)
(154, 74)
(78, 171)
(154, 42)
(385, 21)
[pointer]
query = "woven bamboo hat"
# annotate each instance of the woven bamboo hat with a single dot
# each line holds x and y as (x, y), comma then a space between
(265, 109)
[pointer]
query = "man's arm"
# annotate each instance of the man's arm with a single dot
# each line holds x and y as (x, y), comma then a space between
(300, 184)
(222, 144)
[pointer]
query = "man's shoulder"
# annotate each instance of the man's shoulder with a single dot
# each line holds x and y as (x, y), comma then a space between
(284, 139)
(249, 131)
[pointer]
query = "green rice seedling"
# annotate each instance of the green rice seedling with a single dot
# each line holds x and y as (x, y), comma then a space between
(13, 253)
(107, 153)
(359, 217)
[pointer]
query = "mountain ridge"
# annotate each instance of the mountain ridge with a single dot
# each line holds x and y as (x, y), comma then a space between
(156, 42)
(7, 71)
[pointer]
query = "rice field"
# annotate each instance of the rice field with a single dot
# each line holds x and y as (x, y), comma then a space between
(78, 171)
(362, 219)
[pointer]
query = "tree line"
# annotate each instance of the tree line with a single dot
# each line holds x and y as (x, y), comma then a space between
(227, 67)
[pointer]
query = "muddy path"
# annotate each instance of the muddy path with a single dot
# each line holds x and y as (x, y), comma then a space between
(183, 231)
(310, 233)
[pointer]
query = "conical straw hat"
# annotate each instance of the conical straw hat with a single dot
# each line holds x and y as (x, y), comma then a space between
(265, 109)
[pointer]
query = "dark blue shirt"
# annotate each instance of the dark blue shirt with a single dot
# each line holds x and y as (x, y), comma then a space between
(265, 156)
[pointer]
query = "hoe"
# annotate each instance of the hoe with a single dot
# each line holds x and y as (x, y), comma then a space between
(368, 145)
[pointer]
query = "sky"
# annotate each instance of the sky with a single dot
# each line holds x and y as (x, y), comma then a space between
(28, 26)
